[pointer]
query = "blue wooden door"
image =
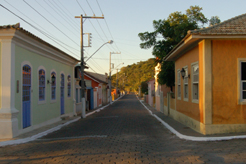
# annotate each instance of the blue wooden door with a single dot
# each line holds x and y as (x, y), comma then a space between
(26, 96)
(62, 94)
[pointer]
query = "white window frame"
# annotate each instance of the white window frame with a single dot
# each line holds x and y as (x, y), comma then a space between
(192, 81)
(186, 76)
(239, 86)
(178, 84)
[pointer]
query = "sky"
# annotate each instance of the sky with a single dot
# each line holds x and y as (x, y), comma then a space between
(123, 21)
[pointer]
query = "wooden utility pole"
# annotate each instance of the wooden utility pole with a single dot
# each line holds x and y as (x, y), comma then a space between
(82, 66)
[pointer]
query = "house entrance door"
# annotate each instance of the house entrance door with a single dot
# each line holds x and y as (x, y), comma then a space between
(26, 96)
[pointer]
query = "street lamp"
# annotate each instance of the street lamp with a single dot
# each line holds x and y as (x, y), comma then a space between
(110, 42)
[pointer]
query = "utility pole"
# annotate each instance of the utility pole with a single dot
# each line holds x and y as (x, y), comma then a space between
(82, 67)
(110, 87)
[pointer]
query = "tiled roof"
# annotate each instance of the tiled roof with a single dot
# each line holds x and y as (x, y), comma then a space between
(233, 26)
(93, 77)
(17, 27)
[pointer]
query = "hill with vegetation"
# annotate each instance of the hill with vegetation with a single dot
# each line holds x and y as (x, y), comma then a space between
(131, 76)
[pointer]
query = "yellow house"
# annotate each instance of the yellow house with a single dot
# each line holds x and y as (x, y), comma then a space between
(210, 78)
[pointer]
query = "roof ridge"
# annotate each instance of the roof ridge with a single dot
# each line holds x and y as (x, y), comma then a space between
(29, 34)
(216, 25)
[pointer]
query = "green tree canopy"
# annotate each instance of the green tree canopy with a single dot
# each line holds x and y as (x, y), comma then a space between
(214, 20)
(167, 34)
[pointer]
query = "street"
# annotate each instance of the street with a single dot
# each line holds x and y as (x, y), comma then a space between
(122, 133)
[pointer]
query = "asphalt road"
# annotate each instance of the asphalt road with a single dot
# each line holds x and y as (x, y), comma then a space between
(122, 133)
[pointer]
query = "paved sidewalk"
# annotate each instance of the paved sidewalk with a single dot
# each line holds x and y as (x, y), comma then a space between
(49, 127)
(183, 129)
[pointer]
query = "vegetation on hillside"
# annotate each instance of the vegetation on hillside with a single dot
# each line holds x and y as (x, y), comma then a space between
(131, 76)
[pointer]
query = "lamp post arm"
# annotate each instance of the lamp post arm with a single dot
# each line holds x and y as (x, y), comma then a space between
(96, 51)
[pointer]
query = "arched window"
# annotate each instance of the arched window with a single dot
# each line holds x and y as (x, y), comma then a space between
(53, 85)
(41, 79)
(68, 86)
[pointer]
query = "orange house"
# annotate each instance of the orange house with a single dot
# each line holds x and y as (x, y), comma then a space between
(210, 78)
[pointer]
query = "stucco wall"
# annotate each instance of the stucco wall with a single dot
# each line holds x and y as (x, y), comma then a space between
(49, 110)
(165, 89)
(225, 54)
(157, 103)
(93, 82)
(151, 87)
(0, 76)
(187, 107)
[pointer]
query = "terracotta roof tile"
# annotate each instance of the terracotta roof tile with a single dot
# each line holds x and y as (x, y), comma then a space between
(233, 26)
(17, 27)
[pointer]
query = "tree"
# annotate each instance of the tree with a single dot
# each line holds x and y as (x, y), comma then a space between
(214, 20)
(131, 76)
(167, 34)
(144, 87)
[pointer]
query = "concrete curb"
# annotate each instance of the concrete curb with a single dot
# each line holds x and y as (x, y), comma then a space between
(192, 138)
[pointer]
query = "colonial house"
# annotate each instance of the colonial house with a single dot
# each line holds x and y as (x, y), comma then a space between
(36, 82)
(210, 78)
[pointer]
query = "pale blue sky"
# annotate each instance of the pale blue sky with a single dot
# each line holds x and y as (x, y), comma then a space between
(123, 21)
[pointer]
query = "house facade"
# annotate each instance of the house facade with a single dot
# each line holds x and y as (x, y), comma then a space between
(151, 92)
(210, 74)
(36, 82)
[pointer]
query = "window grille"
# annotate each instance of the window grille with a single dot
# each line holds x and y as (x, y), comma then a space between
(53, 86)
(41, 74)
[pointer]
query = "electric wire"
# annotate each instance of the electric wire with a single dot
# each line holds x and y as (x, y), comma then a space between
(108, 27)
(42, 28)
(47, 35)
(100, 68)
(56, 11)
(93, 25)
(63, 12)
(51, 23)
(97, 20)
(115, 59)
(55, 18)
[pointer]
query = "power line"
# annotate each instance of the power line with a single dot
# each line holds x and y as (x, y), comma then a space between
(99, 7)
(51, 23)
(115, 59)
(42, 28)
(56, 11)
(64, 13)
(98, 65)
(81, 7)
(108, 27)
(55, 18)
(47, 35)
(92, 24)
(90, 7)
